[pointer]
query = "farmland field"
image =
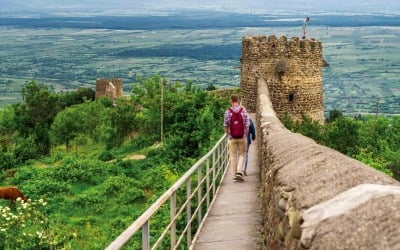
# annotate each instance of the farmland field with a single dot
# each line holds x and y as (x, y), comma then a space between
(364, 62)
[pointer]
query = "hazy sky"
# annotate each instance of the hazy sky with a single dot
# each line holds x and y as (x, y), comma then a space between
(247, 5)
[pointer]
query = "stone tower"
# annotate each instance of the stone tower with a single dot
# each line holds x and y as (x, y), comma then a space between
(292, 70)
(112, 88)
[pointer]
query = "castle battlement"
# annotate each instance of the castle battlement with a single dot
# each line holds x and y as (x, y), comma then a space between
(255, 46)
(292, 70)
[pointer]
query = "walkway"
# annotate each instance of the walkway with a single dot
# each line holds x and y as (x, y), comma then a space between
(234, 220)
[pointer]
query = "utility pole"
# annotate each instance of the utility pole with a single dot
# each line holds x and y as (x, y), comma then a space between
(162, 110)
(377, 108)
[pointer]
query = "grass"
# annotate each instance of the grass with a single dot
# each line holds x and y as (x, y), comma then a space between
(91, 223)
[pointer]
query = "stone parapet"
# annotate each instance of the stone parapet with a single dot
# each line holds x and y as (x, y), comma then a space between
(314, 197)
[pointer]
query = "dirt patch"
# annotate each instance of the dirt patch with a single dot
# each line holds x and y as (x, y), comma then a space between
(41, 165)
(137, 157)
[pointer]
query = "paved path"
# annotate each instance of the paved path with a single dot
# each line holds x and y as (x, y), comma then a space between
(234, 220)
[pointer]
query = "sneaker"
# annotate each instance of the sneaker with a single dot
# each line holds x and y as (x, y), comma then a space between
(245, 173)
(235, 179)
(239, 176)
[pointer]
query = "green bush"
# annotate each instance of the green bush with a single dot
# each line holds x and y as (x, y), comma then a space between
(105, 156)
(7, 161)
(122, 188)
(26, 148)
(74, 170)
(26, 227)
(91, 199)
(45, 188)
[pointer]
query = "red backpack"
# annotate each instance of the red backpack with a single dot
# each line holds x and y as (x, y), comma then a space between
(236, 124)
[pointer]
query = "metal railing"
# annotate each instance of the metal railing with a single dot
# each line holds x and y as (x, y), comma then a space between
(206, 175)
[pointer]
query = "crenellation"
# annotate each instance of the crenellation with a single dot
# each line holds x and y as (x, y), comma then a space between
(294, 45)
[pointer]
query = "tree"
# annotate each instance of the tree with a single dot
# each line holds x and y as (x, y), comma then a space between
(40, 103)
(334, 115)
(344, 136)
(77, 96)
(36, 113)
(210, 87)
(311, 129)
(121, 123)
(67, 125)
(146, 95)
(79, 140)
(7, 128)
(94, 115)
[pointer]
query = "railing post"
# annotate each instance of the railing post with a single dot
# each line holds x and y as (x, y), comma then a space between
(225, 154)
(199, 193)
(213, 172)
(208, 182)
(172, 215)
(219, 155)
(188, 211)
(146, 236)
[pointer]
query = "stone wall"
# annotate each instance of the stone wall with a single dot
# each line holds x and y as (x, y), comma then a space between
(112, 88)
(316, 198)
(292, 70)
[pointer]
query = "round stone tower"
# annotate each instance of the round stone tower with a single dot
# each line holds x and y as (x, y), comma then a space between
(292, 70)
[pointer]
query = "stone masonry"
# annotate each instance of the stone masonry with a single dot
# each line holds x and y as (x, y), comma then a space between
(314, 197)
(112, 88)
(292, 71)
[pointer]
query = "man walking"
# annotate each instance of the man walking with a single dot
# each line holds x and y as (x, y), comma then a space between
(251, 136)
(236, 125)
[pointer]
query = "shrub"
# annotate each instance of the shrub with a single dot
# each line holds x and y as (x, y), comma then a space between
(73, 170)
(123, 188)
(26, 148)
(45, 188)
(26, 227)
(106, 156)
(7, 160)
(91, 199)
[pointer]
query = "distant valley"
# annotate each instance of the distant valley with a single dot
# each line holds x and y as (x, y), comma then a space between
(68, 52)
